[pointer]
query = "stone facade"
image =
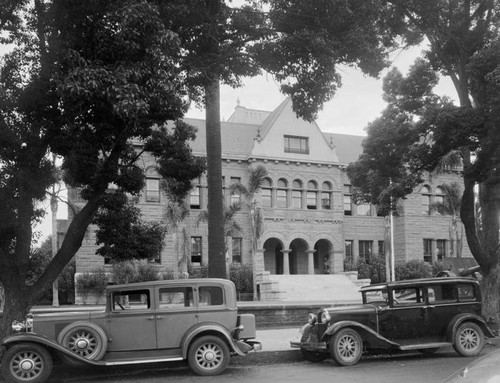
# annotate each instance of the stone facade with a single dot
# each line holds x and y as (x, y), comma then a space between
(310, 225)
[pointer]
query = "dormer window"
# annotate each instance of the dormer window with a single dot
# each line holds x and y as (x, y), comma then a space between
(296, 144)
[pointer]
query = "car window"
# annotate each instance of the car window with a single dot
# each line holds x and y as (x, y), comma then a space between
(466, 292)
(210, 296)
(131, 300)
(407, 296)
(375, 296)
(445, 293)
(175, 297)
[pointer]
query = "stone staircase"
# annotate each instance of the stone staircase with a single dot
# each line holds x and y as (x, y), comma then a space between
(333, 288)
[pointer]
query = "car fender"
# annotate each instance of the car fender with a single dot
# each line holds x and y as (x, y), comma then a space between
(213, 329)
(45, 342)
(367, 334)
(461, 318)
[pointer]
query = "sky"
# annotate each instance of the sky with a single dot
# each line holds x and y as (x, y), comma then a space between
(358, 102)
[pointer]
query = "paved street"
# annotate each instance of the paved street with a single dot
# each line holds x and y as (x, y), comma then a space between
(412, 368)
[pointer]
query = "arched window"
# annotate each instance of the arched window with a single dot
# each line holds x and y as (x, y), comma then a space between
(152, 185)
(426, 200)
(281, 194)
(266, 193)
(439, 201)
(297, 194)
(312, 193)
(326, 196)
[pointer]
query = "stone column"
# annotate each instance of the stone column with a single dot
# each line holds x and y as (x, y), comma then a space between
(286, 262)
(310, 261)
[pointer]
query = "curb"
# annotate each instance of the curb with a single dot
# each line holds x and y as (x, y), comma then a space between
(267, 357)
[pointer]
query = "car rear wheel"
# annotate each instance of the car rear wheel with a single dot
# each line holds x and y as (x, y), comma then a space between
(26, 363)
(346, 347)
(208, 355)
(313, 356)
(85, 339)
(469, 339)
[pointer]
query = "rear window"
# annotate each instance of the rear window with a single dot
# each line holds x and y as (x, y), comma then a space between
(466, 292)
(210, 296)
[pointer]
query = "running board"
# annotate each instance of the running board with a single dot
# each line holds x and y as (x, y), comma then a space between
(422, 346)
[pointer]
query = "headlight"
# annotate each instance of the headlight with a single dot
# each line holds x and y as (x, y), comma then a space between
(312, 319)
(24, 326)
(325, 317)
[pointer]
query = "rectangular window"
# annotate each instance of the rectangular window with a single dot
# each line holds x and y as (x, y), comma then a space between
(311, 200)
(297, 199)
(347, 200)
(266, 198)
(428, 250)
(349, 255)
(235, 194)
(131, 300)
(408, 296)
(152, 190)
(196, 250)
(441, 249)
(466, 292)
(296, 144)
(442, 293)
(175, 297)
(237, 245)
(381, 247)
(365, 251)
(194, 198)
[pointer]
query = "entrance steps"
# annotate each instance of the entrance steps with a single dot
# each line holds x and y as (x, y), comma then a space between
(334, 288)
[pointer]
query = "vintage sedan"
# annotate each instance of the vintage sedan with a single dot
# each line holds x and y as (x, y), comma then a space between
(422, 315)
(192, 319)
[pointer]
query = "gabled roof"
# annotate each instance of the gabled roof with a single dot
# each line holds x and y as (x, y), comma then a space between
(348, 147)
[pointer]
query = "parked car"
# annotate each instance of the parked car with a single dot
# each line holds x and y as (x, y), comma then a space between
(422, 314)
(482, 370)
(193, 319)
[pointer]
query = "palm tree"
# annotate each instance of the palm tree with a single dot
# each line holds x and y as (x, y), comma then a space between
(256, 178)
(450, 205)
(174, 214)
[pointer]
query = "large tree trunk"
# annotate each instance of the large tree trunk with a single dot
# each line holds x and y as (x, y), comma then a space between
(216, 247)
(491, 297)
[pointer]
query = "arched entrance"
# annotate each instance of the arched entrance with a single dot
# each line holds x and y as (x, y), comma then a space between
(273, 256)
(298, 257)
(322, 251)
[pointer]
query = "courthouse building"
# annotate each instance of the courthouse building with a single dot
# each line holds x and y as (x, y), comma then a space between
(311, 224)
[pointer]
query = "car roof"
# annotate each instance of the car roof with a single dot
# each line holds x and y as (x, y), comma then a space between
(423, 281)
(174, 282)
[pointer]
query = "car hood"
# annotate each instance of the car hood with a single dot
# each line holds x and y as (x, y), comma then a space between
(66, 315)
(352, 309)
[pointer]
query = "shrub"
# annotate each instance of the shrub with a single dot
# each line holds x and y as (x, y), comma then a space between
(145, 272)
(198, 272)
(93, 281)
(123, 272)
(413, 269)
(168, 275)
(242, 277)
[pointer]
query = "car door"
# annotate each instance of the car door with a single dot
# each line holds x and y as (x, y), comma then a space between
(176, 313)
(131, 320)
(406, 314)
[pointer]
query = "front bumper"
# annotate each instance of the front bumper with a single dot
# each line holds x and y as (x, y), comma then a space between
(248, 345)
(308, 340)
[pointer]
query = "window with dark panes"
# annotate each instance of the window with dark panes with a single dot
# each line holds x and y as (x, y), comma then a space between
(312, 203)
(237, 245)
(195, 197)
(365, 251)
(296, 144)
(428, 250)
(210, 296)
(326, 196)
(426, 200)
(196, 250)
(347, 200)
(297, 194)
(441, 248)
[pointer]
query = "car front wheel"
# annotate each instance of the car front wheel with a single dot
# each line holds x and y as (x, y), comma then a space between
(26, 363)
(208, 355)
(346, 347)
(469, 339)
